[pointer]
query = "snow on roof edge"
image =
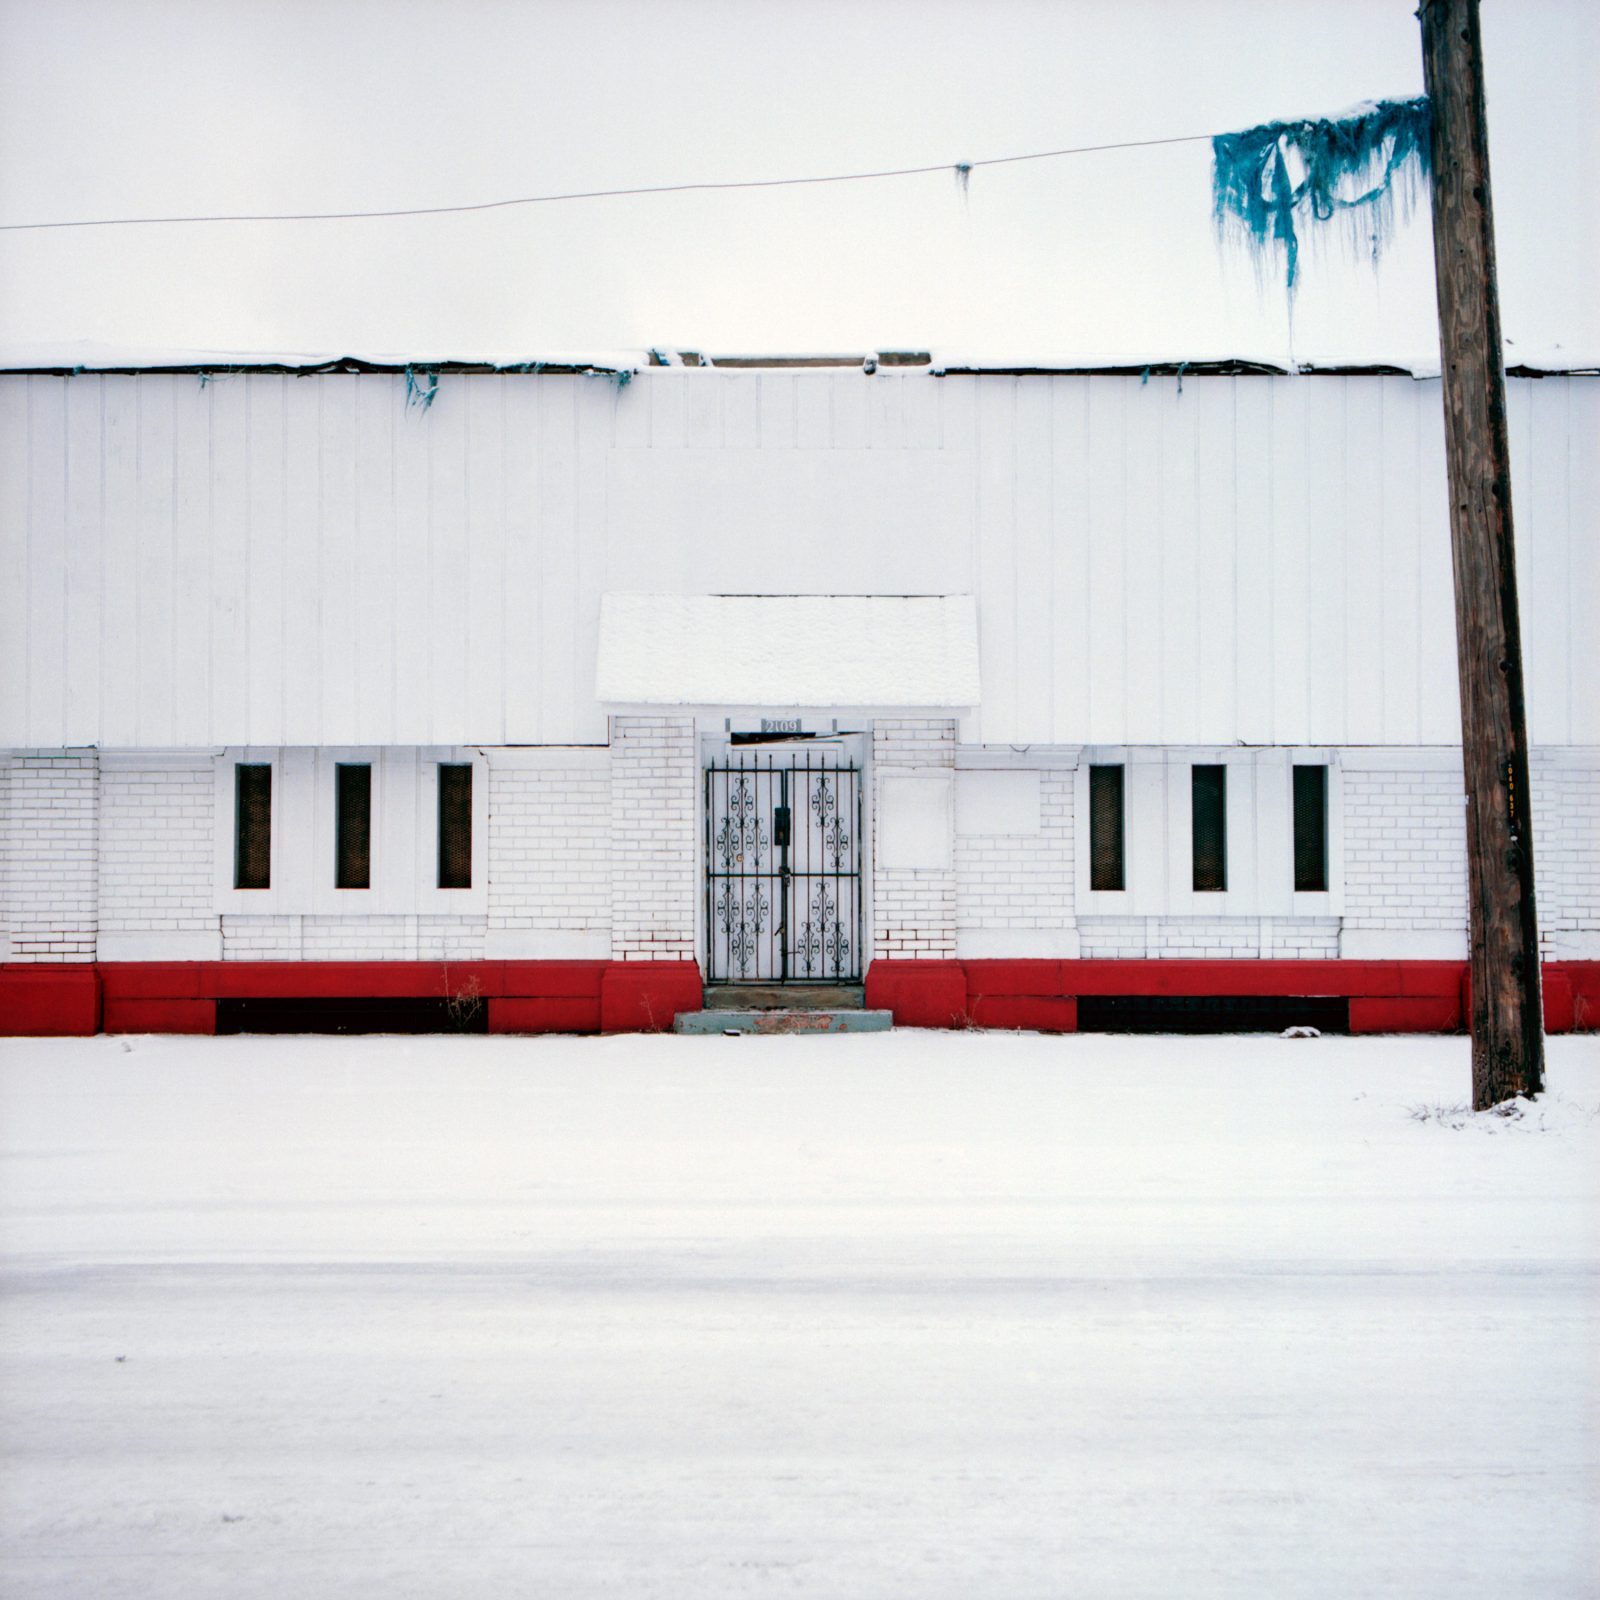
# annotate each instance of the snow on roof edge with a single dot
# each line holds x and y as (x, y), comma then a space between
(84, 355)
(74, 356)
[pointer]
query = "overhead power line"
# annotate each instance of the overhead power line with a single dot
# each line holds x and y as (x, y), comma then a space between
(960, 168)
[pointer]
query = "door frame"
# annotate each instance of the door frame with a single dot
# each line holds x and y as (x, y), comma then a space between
(849, 751)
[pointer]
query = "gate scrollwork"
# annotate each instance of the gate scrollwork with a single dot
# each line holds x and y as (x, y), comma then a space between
(822, 946)
(824, 808)
(742, 838)
(742, 919)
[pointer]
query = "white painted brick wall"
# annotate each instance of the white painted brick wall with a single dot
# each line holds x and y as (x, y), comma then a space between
(93, 852)
(157, 856)
(1208, 938)
(913, 909)
(1405, 850)
(261, 938)
(1020, 883)
(1566, 852)
(329, 938)
(1406, 861)
(654, 864)
(550, 859)
(913, 742)
(1313, 939)
(51, 855)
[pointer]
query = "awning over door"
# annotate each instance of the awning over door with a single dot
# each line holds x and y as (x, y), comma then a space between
(885, 652)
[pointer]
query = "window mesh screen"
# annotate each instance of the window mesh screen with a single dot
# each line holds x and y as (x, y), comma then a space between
(1310, 829)
(353, 844)
(1210, 802)
(455, 827)
(252, 843)
(1106, 870)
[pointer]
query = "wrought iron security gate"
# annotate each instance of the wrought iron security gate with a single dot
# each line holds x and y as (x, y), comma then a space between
(783, 871)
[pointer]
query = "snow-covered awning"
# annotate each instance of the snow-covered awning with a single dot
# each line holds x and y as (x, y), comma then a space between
(735, 650)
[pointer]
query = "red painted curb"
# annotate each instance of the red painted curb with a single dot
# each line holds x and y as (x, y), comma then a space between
(181, 996)
(40, 1001)
(153, 980)
(921, 994)
(161, 1016)
(351, 980)
(1420, 1014)
(645, 996)
(1036, 1013)
(568, 1014)
(1384, 996)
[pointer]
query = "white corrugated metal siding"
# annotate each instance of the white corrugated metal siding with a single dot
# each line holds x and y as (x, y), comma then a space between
(271, 560)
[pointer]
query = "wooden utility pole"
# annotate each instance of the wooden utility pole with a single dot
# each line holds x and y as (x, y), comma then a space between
(1507, 1016)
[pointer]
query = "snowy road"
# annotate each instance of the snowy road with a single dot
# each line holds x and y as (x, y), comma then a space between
(897, 1315)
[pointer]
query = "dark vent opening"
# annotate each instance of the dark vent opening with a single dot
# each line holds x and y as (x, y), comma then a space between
(1107, 869)
(321, 1015)
(1209, 789)
(1167, 1013)
(353, 844)
(1310, 829)
(252, 845)
(455, 827)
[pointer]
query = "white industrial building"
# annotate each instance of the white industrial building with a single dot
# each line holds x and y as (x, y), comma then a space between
(555, 693)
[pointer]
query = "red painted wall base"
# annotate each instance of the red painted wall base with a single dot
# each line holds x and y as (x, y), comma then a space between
(1384, 996)
(181, 996)
(645, 996)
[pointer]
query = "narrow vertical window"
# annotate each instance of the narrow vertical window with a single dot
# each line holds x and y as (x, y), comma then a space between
(252, 824)
(353, 827)
(1209, 800)
(1310, 829)
(455, 827)
(1107, 869)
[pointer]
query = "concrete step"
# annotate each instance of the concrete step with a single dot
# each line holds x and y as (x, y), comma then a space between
(784, 997)
(783, 1021)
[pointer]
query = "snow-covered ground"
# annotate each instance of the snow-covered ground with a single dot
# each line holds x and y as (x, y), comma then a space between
(912, 1315)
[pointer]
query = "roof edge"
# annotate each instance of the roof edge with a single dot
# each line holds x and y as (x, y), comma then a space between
(623, 371)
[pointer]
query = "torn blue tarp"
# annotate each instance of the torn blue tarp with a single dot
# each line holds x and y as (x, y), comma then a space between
(1275, 184)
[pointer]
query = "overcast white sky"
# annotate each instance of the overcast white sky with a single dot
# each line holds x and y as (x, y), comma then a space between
(128, 107)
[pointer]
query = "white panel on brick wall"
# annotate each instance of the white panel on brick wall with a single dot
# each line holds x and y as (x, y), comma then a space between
(997, 802)
(914, 822)
(274, 560)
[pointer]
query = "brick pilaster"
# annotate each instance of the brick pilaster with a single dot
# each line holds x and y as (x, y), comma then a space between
(653, 855)
(50, 848)
(913, 908)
